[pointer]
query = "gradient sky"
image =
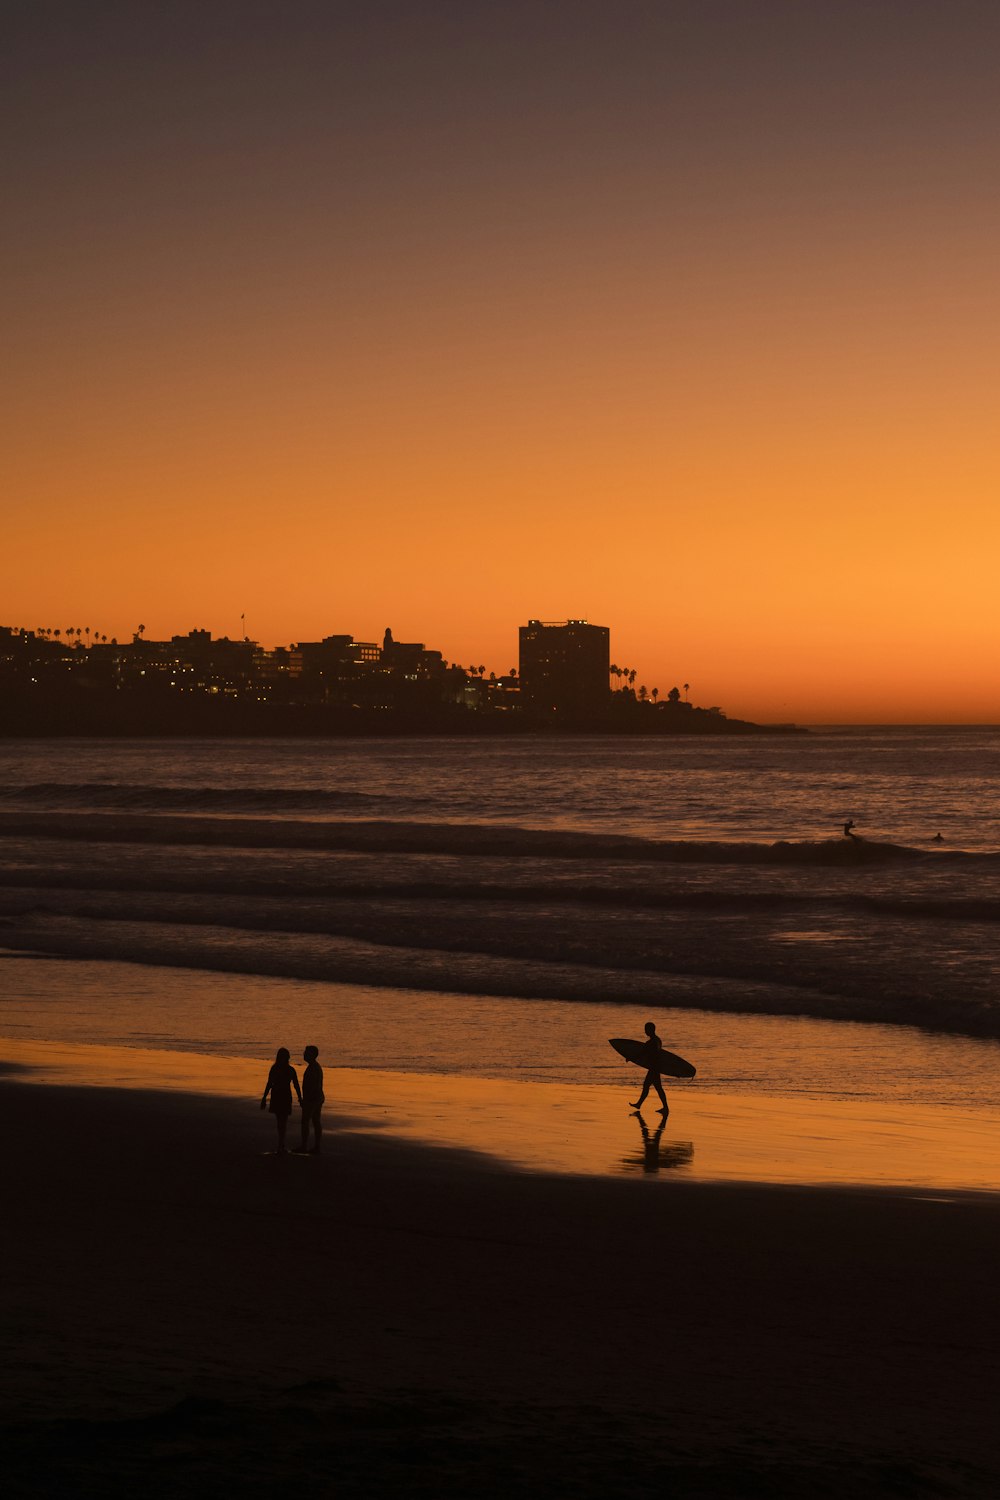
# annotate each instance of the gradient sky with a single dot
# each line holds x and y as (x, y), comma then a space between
(679, 317)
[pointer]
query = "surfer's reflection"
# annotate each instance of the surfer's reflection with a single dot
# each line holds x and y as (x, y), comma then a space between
(655, 1158)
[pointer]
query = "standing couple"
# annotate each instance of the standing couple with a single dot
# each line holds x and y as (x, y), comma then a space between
(280, 1081)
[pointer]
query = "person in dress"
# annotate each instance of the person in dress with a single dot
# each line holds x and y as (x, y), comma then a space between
(280, 1081)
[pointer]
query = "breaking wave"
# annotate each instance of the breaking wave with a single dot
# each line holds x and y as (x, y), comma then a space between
(510, 841)
(129, 797)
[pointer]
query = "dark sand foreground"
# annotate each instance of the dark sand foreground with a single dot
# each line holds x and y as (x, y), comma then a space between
(185, 1315)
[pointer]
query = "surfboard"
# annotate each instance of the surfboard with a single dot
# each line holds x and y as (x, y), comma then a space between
(643, 1055)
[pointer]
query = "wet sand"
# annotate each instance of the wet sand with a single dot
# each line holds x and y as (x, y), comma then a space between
(712, 1135)
(186, 1313)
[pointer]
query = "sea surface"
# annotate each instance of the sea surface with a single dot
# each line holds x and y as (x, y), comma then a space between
(461, 926)
(501, 908)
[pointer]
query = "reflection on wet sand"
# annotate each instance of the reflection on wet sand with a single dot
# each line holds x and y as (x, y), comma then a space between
(655, 1157)
(581, 1129)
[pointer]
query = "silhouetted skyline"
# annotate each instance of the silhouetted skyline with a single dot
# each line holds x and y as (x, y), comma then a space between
(76, 680)
(455, 313)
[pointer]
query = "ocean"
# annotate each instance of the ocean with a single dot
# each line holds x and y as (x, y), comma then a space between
(499, 908)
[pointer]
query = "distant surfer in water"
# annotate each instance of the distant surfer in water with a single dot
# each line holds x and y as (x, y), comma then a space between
(847, 829)
(652, 1079)
(280, 1081)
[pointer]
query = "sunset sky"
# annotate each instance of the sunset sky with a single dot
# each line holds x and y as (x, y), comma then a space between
(682, 317)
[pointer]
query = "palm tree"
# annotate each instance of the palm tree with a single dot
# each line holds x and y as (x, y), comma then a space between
(687, 687)
(655, 694)
(642, 693)
(631, 678)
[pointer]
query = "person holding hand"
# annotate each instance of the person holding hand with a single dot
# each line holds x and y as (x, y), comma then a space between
(281, 1079)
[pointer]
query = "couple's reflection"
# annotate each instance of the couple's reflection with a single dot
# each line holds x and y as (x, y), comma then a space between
(653, 1157)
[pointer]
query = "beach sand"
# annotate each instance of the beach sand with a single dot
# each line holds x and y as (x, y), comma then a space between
(188, 1314)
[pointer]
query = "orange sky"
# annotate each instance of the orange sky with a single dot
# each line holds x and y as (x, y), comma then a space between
(682, 318)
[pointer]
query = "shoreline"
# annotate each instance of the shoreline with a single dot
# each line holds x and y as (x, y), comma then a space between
(393, 1312)
(208, 950)
(711, 1136)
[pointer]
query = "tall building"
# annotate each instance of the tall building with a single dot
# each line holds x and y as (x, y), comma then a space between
(564, 668)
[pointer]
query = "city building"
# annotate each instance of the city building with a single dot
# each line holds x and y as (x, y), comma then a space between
(564, 668)
(330, 670)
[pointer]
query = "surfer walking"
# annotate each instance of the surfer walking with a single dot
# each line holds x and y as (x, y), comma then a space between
(281, 1079)
(848, 826)
(653, 1079)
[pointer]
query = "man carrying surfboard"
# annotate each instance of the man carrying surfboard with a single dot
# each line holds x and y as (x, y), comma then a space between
(652, 1079)
(654, 1057)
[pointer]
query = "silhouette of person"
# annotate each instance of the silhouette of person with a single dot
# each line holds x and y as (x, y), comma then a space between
(847, 829)
(281, 1079)
(652, 1079)
(312, 1099)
